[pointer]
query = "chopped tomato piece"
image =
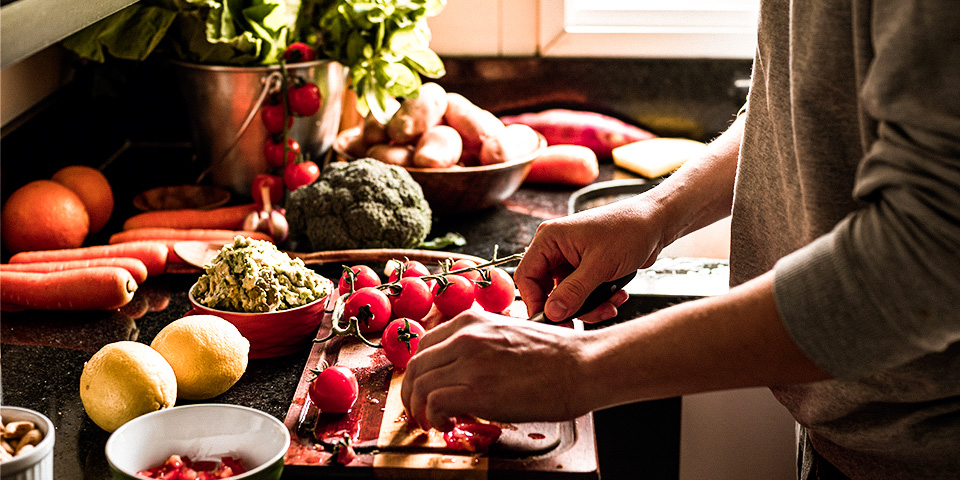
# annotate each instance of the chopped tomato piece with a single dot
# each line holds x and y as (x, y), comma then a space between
(472, 436)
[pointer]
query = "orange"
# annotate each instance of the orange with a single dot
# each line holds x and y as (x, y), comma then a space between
(92, 188)
(43, 215)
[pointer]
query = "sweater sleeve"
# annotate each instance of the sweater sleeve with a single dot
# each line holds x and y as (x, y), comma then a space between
(883, 287)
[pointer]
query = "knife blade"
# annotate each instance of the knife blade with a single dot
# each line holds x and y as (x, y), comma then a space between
(599, 295)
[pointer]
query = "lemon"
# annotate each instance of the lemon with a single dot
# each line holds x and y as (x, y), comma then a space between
(208, 354)
(124, 380)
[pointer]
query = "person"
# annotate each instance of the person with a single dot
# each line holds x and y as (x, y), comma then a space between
(842, 177)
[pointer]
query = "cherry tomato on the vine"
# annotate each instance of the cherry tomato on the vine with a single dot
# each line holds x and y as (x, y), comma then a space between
(454, 295)
(400, 340)
(363, 276)
(296, 175)
(304, 98)
(272, 116)
(370, 306)
(495, 290)
(273, 183)
(299, 52)
(412, 298)
(471, 275)
(411, 268)
(273, 152)
(334, 390)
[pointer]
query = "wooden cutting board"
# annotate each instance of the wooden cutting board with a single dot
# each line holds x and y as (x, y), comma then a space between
(377, 423)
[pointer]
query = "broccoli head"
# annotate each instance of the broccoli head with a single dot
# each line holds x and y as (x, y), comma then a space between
(360, 204)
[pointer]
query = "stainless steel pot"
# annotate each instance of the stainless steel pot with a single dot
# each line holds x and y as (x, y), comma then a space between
(223, 103)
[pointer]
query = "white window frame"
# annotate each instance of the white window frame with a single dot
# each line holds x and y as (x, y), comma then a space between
(648, 28)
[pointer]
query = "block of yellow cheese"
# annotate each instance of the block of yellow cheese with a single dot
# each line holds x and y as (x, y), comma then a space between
(657, 156)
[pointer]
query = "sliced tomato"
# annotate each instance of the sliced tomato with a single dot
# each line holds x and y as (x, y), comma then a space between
(472, 436)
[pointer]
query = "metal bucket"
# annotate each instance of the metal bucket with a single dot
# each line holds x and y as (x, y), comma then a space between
(223, 105)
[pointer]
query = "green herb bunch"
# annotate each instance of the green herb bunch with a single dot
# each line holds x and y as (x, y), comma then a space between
(384, 43)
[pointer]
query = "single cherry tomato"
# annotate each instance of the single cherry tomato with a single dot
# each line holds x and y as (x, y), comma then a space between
(410, 298)
(400, 340)
(273, 152)
(273, 183)
(411, 268)
(299, 52)
(272, 115)
(334, 390)
(495, 290)
(304, 98)
(471, 275)
(296, 175)
(370, 306)
(362, 275)
(472, 436)
(453, 295)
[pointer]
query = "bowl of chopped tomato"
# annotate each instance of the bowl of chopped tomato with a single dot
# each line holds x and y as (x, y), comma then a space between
(199, 442)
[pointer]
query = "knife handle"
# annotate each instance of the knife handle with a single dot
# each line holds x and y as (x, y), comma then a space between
(599, 295)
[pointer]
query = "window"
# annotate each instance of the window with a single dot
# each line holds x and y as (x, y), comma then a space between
(648, 28)
(597, 28)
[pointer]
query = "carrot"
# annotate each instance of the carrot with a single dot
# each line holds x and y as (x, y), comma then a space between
(230, 218)
(564, 164)
(153, 255)
(92, 288)
(184, 234)
(170, 236)
(133, 265)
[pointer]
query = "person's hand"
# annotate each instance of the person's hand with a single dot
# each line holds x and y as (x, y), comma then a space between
(497, 368)
(570, 256)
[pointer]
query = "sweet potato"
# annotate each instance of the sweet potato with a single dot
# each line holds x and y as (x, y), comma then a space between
(401, 155)
(439, 147)
(601, 133)
(564, 164)
(416, 115)
(473, 123)
(512, 143)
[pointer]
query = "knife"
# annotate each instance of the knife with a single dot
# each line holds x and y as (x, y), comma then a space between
(599, 295)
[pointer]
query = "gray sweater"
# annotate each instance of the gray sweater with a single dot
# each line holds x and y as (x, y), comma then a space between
(849, 188)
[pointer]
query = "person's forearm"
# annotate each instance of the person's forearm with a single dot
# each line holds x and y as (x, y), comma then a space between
(701, 191)
(730, 341)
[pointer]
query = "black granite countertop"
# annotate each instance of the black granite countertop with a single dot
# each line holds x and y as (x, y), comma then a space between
(105, 119)
(44, 352)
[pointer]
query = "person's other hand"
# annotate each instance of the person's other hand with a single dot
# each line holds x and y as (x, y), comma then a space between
(497, 368)
(570, 256)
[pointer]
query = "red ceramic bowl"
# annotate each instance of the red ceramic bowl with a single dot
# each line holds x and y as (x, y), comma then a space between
(273, 334)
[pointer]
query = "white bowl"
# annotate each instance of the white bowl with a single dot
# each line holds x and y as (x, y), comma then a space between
(38, 463)
(202, 432)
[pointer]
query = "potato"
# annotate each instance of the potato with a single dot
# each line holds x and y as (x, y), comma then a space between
(473, 123)
(416, 115)
(401, 155)
(439, 147)
(353, 146)
(373, 132)
(513, 142)
(566, 165)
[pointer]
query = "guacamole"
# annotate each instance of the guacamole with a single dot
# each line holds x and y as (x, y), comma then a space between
(253, 276)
